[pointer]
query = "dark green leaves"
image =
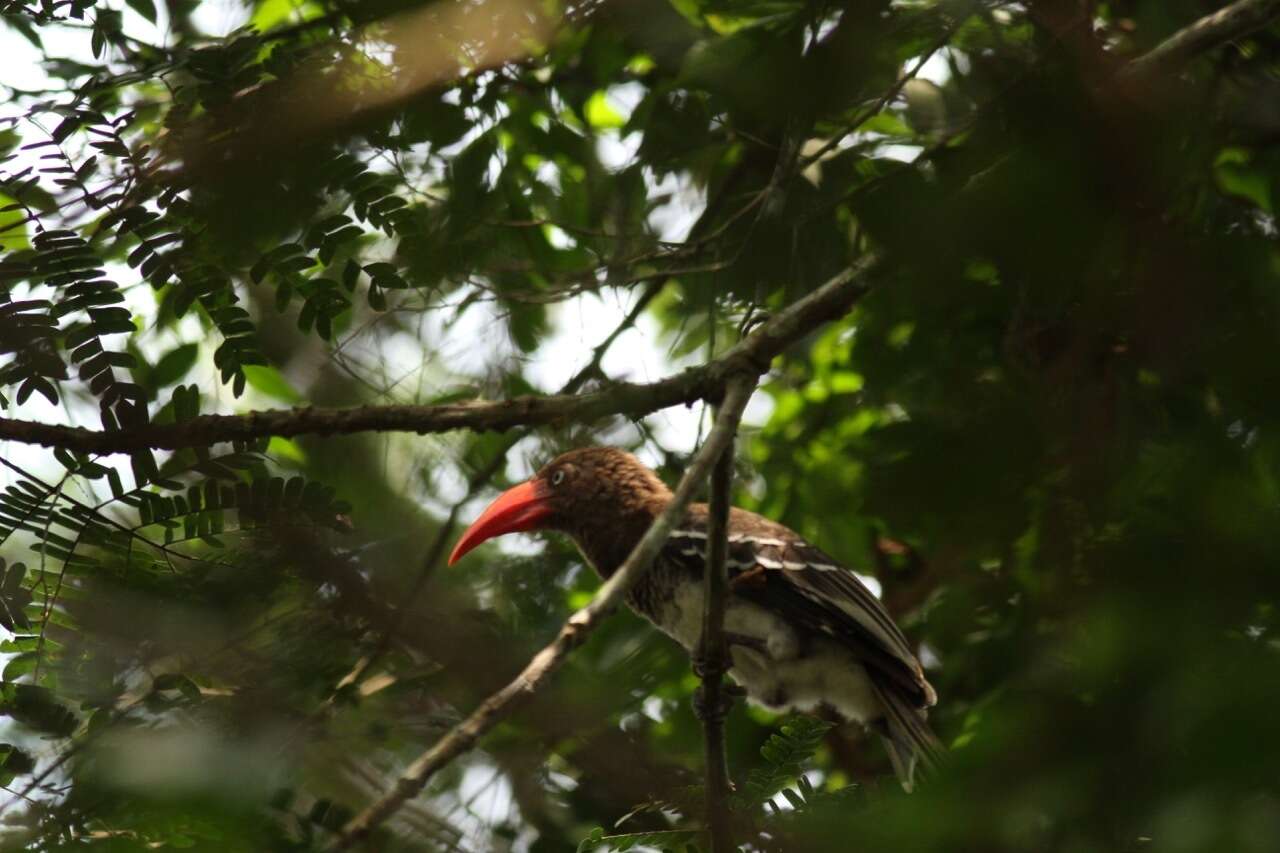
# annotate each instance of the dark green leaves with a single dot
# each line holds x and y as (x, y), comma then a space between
(174, 365)
(145, 8)
(14, 598)
(36, 708)
(14, 762)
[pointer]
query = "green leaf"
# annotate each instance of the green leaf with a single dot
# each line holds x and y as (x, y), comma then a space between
(797, 802)
(13, 230)
(600, 114)
(1236, 177)
(271, 383)
(286, 448)
(272, 13)
(174, 365)
(145, 8)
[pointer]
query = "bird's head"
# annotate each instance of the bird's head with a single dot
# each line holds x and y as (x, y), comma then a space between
(593, 485)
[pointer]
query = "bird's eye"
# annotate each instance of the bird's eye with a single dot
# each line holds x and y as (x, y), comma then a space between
(557, 477)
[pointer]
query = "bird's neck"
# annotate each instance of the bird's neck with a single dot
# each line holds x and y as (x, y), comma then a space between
(606, 543)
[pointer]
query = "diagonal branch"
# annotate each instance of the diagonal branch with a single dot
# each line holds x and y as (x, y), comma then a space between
(634, 400)
(1231, 22)
(715, 655)
(436, 551)
(536, 675)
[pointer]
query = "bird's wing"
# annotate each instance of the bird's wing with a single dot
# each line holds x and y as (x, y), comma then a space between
(772, 566)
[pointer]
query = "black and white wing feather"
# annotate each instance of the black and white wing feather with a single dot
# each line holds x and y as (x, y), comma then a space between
(769, 565)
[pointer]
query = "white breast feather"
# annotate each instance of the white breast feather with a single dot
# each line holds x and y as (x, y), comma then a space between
(779, 678)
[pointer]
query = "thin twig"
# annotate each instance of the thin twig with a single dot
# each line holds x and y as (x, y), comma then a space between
(883, 101)
(715, 656)
(535, 676)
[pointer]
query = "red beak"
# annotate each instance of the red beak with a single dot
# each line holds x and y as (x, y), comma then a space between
(519, 508)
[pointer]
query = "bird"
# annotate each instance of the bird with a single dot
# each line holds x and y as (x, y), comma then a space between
(804, 633)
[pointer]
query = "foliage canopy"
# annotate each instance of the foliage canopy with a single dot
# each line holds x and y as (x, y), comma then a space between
(1047, 430)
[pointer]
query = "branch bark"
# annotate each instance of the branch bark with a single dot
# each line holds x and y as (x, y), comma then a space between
(1231, 22)
(633, 400)
(536, 675)
(715, 656)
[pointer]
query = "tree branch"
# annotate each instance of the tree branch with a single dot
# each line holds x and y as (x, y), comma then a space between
(754, 354)
(480, 478)
(535, 676)
(715, 656)
(1231, 22)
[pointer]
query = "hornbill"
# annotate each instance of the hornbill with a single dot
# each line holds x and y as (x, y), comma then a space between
(803, 632)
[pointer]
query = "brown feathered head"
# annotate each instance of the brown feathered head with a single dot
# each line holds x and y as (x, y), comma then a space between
(574, 491)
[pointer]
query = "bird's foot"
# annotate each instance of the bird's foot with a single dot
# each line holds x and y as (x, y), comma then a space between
(700, 665)
(753, 643)
(698, 660)
(716, 711)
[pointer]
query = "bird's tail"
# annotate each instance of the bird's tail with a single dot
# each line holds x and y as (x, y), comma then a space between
(910, 741)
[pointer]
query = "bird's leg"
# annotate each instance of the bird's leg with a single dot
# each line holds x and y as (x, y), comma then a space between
(699, 663)
(704, 710)
(729, 691)
(754, 643)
